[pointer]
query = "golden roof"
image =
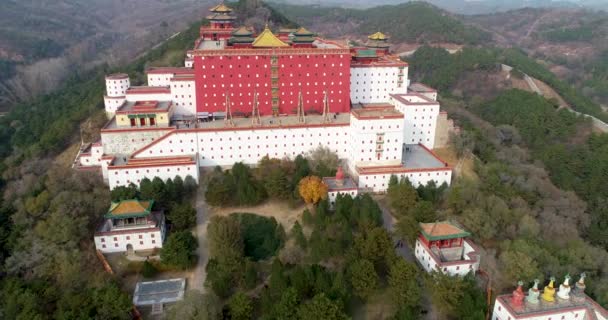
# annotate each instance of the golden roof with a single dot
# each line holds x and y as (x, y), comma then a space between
(442, 230)
(221, 8)
(303, 31)
(242, 31)
(267, 39)
(129, 208)
(378, 36)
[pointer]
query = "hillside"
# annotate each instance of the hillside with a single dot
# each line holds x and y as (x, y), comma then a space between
(44, 41)
(461, 6)
(414, 22)
(572, 43)
(47, 257)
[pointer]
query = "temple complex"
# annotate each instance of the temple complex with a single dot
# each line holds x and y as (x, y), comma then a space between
(244, 94)
(445, 247)
(568, 304)
(129, 226)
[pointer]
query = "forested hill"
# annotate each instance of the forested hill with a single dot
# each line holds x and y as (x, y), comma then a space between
(414, 22)
(48, 211)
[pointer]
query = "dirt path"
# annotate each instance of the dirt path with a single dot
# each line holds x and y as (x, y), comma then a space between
(533, 27)
(202, 219)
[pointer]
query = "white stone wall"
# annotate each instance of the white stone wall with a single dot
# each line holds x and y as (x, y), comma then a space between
(379, 182)
(135, 96)
(123, 176)
(142, 239)
(112, 104)
(189, 63)
(225, 147)
(420, 120)
(93, 158)
(501, 312)
(372, 137)
(117, 87)
(160, 79)
(454, 268)
(184, 98)
(126, 142)
(374, 84)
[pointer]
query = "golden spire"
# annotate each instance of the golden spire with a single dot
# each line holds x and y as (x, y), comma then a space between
(549, 293)
(221, 8)
(378, 36)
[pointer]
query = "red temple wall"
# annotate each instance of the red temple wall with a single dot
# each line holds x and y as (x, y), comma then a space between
(239, 75)
(214, 77)
(314, 74)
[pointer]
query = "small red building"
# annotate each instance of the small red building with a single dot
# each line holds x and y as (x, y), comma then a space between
(443, 246)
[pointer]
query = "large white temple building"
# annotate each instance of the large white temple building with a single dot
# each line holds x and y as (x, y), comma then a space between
(242, 96)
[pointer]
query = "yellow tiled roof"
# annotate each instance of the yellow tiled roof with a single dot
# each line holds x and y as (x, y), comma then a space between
(267, 39)
(378, 36)
(221, 8)
(303, 31)
(129, 207)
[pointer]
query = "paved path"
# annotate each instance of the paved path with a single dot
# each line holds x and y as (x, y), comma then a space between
(406, 253)
(389, 224)
(202, 219)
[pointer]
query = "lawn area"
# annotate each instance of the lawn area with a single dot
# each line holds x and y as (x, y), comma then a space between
(280, 210)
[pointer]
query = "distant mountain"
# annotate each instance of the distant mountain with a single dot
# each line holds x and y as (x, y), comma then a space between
(413, 22)
(572, 42)
(42, 42)
(463, 6)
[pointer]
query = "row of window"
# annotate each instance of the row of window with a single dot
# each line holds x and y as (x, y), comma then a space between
(141, 236)
(257, 57)
(148, 171)
(276, 154)
(411, 175)
(116, 244)
(267, 137)
(282, 75)
(377, 89)
(160, 151)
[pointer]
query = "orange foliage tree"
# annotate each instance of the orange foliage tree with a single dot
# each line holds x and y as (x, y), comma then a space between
(312, 189)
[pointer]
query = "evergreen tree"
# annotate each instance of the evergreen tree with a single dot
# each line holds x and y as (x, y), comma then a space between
(286, 308)
(178, 250)
(320, 307)
(363, 278)
(190, 185)
(125, 193)
(403, 284)
(182, 217)
(225, 239)
(240, 306)
(298, 234)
